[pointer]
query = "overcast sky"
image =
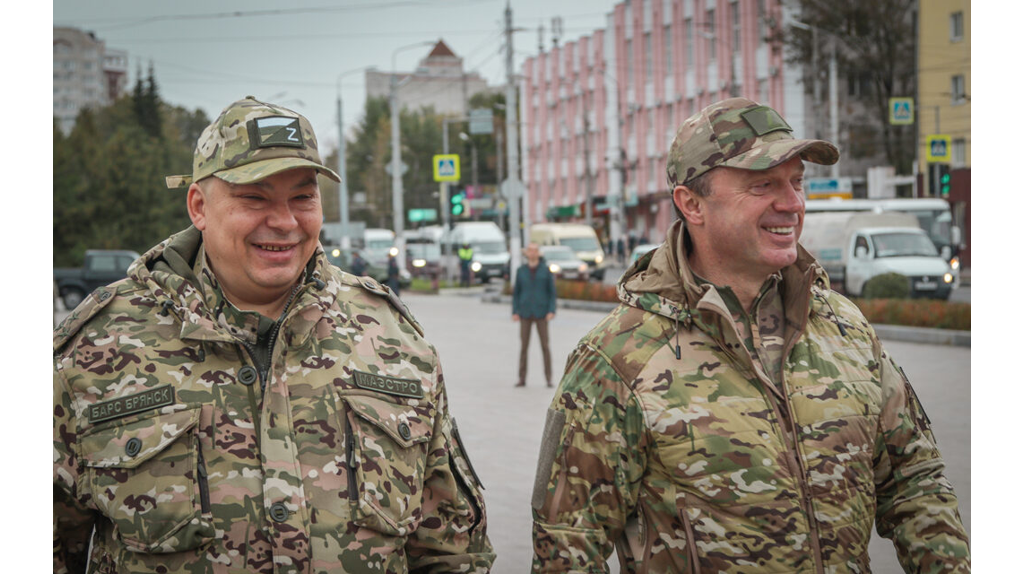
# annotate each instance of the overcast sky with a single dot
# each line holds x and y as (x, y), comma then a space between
(209, 54)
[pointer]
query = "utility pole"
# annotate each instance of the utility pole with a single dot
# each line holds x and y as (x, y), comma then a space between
(514, 187)
(589, 213)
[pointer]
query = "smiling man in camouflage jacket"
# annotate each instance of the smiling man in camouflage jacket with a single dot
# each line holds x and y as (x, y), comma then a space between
(239, 405)
(734, 414)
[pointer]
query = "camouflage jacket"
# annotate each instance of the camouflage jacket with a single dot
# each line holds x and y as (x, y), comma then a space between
(667, 441)
(340, 457)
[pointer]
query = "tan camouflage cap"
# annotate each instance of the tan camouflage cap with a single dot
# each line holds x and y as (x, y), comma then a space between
(739, 133)
(252, 140)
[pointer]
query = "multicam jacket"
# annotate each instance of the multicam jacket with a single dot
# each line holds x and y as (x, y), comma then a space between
(666, 440)
(340, 456)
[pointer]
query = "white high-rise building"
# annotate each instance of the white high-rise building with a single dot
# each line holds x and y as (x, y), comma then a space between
(85, 74)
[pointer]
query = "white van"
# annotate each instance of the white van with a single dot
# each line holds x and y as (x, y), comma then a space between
(580, 237)
(490, 250)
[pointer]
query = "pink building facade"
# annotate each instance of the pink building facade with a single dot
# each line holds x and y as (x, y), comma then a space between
(599, 113)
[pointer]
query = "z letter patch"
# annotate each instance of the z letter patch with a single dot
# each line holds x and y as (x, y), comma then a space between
(131, 404)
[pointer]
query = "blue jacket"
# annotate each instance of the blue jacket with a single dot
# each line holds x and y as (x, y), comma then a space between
(533, 296)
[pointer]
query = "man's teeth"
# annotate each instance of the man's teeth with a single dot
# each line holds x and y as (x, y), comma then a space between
(780, 230)
(273, 248)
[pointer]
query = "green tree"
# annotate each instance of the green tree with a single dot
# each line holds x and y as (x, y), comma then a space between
(875, 50)
(109, 190)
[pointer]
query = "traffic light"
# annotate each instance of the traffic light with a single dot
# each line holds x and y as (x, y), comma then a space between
(458, 201)
(944, 180)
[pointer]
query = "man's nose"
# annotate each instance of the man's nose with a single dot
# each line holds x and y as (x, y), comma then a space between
(280, 216)
(790, 198)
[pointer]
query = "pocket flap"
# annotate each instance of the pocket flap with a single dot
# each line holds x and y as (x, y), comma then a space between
(130, 442)
(401, 422)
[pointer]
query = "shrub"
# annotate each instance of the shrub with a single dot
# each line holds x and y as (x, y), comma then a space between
(917, 313)
(887, 286)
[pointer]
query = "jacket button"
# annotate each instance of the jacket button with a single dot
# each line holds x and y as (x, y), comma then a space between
(404, 431)
(133, 446)
(247, 375)
(278, 512)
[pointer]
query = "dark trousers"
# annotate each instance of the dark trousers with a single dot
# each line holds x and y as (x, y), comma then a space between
(525, 326)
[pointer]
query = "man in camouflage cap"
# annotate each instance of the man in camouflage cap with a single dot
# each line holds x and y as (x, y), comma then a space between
(237, 404)
(734, 414)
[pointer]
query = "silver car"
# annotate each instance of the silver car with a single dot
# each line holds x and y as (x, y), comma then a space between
(564, 263)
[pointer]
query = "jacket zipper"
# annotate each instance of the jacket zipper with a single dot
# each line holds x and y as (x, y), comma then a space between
(791, 440)
(204, 485)
(462, 485)
(691, 542)
(350, 450)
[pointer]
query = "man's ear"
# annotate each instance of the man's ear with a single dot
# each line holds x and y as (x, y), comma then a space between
(689, 204)
(197, 206)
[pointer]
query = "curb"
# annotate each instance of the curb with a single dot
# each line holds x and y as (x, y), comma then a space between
(920, 335)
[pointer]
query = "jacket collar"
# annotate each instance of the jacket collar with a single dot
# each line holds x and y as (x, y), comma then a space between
(662, 282)
(177, 276)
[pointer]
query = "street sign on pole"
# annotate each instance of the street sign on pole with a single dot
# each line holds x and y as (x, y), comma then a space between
(446, 167)
(481, 121)
(938, 148)
(901, 111)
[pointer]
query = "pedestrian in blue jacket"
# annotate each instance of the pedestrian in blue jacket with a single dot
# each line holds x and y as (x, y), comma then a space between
(533, 303)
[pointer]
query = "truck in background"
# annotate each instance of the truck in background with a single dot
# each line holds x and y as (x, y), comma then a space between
(490, 250)
(933, 215)
(855, 247)
(579, 237)
(100, 268)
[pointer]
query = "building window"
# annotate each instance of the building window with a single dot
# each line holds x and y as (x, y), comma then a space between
(711, 35)
(762, 22)
(956, 26)
(959, 152)
(629, 62)
(667, 36)
(957, 89)
(688, 47)
(734, 9)
(648, 58)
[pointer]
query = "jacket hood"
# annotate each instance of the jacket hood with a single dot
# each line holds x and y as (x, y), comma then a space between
(167, 272)
(662, 282)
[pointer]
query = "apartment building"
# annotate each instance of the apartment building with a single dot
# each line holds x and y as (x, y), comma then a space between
(85, 73)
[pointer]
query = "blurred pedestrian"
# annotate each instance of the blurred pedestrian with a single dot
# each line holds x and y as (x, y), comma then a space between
(358, 264)
(465, 261)
(394, 277)
(620, 251)
(533, 304)
(734, 414)
(239, 404)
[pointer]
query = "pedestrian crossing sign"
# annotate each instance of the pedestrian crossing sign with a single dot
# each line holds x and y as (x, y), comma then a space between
(446, 167)
(901, 111)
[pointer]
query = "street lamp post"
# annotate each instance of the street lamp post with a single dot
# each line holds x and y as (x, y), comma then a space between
(472, 146)
(397, 204)
(343, 186)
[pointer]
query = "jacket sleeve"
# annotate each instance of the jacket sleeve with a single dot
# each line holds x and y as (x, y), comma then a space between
(452, 536)
(593, 455)
(72, 521)
(552, 293)
(517, 290)
(917, 507)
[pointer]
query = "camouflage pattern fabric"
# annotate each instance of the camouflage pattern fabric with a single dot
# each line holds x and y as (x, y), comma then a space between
(738, 133)
(251, 140)
(699, 462)
(344, 459)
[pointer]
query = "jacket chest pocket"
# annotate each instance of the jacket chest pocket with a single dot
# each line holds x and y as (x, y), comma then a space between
(147, 475)
(387, 450)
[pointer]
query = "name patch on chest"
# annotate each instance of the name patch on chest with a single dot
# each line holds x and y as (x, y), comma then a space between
(131, 404)
(389, 385)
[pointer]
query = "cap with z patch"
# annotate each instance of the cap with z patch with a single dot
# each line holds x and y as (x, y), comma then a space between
(252, 140)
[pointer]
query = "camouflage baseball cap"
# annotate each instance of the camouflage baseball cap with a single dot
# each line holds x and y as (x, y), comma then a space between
(739, 133)
(252, 140)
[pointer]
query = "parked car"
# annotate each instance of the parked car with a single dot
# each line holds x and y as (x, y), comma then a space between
(564, 263)
(423, 257)
(640, 250)
(581, 238)
(342, 258)
(101, 267)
